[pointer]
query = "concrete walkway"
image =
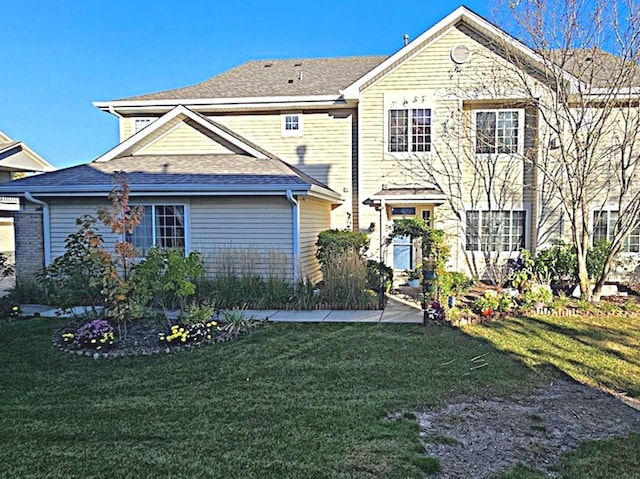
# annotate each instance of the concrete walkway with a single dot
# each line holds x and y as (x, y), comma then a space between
(396, 311)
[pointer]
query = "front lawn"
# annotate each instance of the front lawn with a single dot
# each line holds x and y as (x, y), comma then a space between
(601, 351)
(291, 400)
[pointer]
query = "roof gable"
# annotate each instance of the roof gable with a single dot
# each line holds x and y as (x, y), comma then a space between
(16, 156)
(460, 15)
(213, 138)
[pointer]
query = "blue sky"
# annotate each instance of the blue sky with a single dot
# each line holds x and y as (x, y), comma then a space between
(59, 56)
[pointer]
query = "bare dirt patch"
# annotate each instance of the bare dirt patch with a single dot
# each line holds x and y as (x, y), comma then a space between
(480, 437)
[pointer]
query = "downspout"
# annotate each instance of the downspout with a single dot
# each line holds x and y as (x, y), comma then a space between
(46, 230)
(296, 234)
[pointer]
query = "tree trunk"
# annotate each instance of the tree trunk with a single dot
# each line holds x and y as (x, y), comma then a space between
(583, 278)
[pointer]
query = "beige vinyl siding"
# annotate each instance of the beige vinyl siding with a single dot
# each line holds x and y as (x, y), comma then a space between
(315, 216)
(323, 152)
(126, 128)
(430, 79)
(187, 138)
(254, 230)
(63, 215)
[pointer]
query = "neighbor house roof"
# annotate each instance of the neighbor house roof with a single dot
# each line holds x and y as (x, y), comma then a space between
(176, 174)
(275, 78)
(16, 156)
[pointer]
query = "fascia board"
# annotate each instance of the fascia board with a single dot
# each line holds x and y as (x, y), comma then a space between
(208, 107)
(158, 190)
(325, 194)
(105, 105)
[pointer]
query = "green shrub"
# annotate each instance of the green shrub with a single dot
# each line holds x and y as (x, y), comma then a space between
(166, 278)
(336, 242)
(596, 258)
(28, 292)
(374, 271)
(6, 268)
(556, 264)
(493, 301)
(76, 277)
(451, 283)
(533, 296)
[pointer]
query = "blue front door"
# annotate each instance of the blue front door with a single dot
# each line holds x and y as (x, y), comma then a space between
(402, 252)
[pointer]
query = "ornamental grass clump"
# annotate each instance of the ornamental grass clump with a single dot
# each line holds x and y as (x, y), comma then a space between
(97, 334)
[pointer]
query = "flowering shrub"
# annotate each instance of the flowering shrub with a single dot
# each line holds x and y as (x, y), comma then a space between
(97, 334)
(193, 333)
(435, 311)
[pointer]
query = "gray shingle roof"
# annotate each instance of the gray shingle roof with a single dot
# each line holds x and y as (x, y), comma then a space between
(265, 78)
(180, 173)
(597, 67)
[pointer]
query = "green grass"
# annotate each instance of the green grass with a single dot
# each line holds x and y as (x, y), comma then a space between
(596, 350)
(617, 458)
(290, 401)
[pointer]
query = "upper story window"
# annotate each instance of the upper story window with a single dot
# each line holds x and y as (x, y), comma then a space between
(495, 230)
(139, 123)
(604, 222)
(409, 130)
(498, 131)
(291, 124)
(162, 226)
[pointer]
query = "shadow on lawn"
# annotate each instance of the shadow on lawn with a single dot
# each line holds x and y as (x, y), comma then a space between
(602, 355)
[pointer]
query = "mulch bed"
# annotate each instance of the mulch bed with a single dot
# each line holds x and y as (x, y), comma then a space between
(142, 339)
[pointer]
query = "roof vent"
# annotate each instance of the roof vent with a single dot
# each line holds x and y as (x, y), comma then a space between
(267, 65)
(299, 64)
(460, 54)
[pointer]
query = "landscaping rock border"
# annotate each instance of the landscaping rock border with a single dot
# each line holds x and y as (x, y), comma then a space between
(150, 349)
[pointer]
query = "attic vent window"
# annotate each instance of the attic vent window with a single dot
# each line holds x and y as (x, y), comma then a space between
(460, 54)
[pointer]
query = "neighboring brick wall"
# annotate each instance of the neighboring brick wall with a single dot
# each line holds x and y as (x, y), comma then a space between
(29, 245)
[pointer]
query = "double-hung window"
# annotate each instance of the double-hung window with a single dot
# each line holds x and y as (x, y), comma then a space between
(498, 131)
(162, 226)
(604, 222)
(409, 130)
(495, 230)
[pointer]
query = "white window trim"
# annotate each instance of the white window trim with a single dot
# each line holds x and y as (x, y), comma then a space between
(400, 155)
(149, 120)
(484, 209)
(608, 209)
(521, 128)
(283, 122)
(186, 220)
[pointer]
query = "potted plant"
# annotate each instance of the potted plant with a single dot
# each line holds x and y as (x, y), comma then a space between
(415, 275)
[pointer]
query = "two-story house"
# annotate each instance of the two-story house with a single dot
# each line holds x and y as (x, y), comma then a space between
(266, 155)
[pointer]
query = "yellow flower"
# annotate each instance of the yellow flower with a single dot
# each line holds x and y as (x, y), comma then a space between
(15, 308)
(209, 336)
(184, 339)
(93, 341)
